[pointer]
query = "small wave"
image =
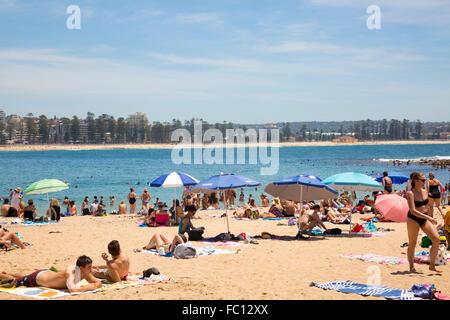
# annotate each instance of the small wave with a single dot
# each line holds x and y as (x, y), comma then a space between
(415, 159)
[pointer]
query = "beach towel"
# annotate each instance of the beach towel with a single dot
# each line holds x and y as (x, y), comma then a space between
(46, 293)
(367, 290)
(201, 251)
(224, 244)
(369, 257)
(29, 223)
(318, 232)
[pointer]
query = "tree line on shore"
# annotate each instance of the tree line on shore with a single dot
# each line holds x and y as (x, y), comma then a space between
(106, 129)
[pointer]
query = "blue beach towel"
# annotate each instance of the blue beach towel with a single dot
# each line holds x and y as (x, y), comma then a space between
(367, 290)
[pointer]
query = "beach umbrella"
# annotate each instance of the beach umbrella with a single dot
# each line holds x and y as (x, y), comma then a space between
(224, 182)
(174, 180)
(392, 207)
(46, 186)
(352, 181)
(299, 188)
(396, 178)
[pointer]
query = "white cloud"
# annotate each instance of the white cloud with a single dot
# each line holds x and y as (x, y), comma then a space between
(410, 12)
(195, 18)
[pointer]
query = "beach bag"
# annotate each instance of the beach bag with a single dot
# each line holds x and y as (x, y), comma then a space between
(185, 251)
(357, 228)
(426, 242)
(424, 291)
(147, 273)
(222, 237)
(441, 258)
(196, 234)
(333, 231)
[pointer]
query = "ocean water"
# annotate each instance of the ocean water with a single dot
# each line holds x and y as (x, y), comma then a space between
(113, 172)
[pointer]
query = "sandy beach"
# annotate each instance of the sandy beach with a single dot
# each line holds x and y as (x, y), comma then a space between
(170, 146)
(272, 269)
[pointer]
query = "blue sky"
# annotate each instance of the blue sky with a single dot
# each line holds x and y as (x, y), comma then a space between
(241, 61)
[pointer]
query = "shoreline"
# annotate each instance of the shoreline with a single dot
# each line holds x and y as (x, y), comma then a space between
(83, 147)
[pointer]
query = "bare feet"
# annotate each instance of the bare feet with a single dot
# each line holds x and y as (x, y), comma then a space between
(434, 269)
(412, 270)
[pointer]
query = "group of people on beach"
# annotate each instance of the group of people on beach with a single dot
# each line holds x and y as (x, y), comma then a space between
(115, 269)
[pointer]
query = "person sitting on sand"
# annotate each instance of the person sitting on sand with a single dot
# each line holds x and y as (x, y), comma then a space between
(29, 212)
(163, 245)
(290, 209)
(65, 279)
(5, 208)
(186, 222)
(117, 268)
(100, 211)
(122, 207)
(73, 208)
(7, 238)
(54, 212)
(308, 220)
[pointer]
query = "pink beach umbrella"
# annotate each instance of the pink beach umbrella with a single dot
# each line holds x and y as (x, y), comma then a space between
(392, 207)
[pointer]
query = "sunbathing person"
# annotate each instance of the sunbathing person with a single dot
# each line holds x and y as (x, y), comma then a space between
(117, 268)
(308, 220)
(8, 238)
(65, 279)
(334, 216)
(163, 245)
(290, 209)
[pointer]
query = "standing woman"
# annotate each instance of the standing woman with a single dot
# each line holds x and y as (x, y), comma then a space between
(434, 194)
(145, 197)
(419, 219)
(387, 183)
(132, 200)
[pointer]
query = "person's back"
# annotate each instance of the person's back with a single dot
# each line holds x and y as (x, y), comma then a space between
(5, 208)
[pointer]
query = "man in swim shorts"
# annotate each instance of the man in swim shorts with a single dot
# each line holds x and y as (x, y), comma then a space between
(117, 269)
(65, 279)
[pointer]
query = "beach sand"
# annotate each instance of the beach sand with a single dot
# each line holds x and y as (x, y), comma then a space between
(170, 146)
(272, 269)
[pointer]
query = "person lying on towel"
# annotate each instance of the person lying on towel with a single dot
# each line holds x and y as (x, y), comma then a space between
(117, 268)
(308, 220)
(65, 279)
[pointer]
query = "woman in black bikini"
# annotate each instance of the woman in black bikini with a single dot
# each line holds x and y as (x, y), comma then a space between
(132, 199)
(434, 194)
(419, 219)
(387, 183)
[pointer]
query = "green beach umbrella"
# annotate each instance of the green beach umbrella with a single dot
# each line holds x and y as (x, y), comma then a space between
(46, 186)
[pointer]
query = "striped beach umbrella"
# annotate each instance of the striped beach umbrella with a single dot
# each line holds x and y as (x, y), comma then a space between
(46, 186)
(174, 180)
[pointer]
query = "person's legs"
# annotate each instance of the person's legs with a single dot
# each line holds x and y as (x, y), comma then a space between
(432, 233)
(152, 243)
(14, 238)
(413, 231)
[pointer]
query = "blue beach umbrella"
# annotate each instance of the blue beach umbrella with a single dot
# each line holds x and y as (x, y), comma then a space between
(224, 182)
(174, 180)
(299, 188)
(352, 181)
(396, 178)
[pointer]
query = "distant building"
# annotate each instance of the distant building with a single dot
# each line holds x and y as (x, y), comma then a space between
(2, 116)
(345, 139)
(137, 118)
(444, 135)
